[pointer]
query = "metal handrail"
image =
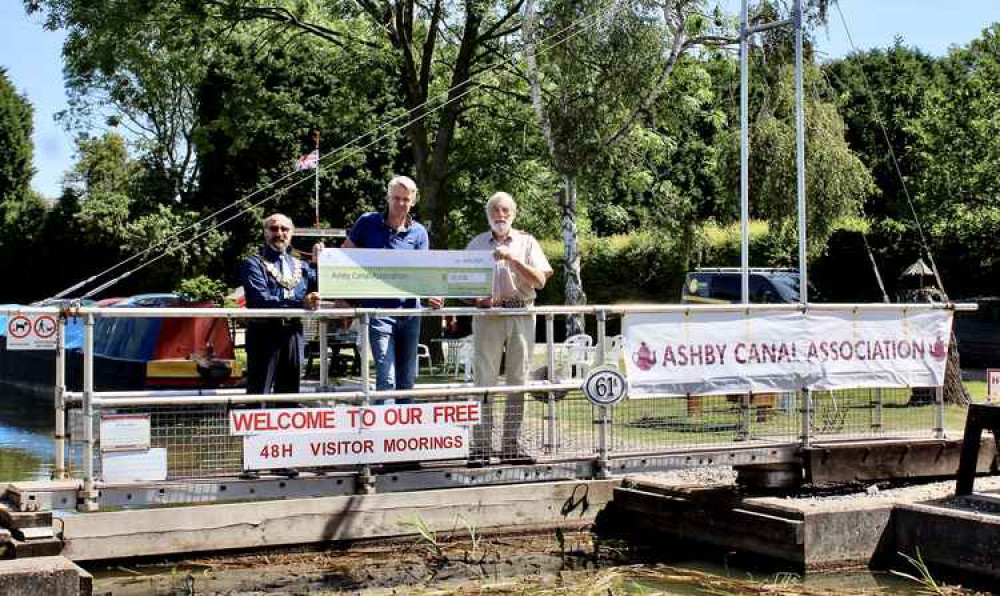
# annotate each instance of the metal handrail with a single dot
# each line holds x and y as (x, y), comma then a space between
(285, 313)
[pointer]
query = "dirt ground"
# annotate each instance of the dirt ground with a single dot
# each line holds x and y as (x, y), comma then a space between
(459, 564)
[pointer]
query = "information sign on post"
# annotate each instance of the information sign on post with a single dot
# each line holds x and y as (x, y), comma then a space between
(992, 384)
(32, 332)
(605, 386)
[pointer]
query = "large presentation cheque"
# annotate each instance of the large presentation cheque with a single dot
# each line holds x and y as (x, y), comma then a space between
(384, 273)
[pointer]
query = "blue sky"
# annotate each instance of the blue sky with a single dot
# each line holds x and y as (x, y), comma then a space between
(33, 60)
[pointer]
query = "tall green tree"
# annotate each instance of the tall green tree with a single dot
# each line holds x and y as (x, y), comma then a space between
(16, 148)
(434, 50)
(21, 209)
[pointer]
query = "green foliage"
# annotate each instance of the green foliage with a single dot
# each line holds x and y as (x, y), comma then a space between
(16, 148)
(202, 289)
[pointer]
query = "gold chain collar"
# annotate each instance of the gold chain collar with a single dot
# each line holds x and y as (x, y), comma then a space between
(290, 282)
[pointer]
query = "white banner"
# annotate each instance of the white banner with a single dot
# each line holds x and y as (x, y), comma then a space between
(287, 421)
(270, 451)
(720, 352)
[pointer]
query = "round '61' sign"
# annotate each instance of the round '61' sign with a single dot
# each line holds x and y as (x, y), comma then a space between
(604, 386)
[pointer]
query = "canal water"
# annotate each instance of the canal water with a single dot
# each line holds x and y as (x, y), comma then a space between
(26, 428)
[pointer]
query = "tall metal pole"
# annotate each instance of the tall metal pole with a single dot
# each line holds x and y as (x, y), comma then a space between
(744, 157)
(800, 155)
(59, 467)
(88, 500)
(316, 185)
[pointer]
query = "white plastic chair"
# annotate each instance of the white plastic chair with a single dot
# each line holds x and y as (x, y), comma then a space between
(463, 358)
(613, 347)
(424, 352)
(577, 353)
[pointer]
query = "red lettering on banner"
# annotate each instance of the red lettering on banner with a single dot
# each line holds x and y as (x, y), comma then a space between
(456, 413)
(403, 444)
(402, 416)
(241, 420)
(305, 419)
(276, 450)
(353, 447)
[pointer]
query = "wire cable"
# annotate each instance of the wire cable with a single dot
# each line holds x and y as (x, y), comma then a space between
(892, 155)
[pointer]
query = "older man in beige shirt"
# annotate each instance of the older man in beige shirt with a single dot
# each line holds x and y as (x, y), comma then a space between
(520, 268)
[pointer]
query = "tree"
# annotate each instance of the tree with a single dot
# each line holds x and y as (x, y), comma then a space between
(21, 209)
(140, 74)
(16, 148)
(433, 49)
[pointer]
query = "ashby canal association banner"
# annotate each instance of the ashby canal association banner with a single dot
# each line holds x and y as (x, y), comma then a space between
(718, 352)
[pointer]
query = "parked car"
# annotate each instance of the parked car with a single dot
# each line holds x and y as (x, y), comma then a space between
(722, 285)
(978, 333)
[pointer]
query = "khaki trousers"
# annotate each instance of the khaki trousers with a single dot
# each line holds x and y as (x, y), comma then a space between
(492, 336)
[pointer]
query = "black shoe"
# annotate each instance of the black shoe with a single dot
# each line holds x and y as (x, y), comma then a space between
(477, 462)
(287, 472)
(250, 475)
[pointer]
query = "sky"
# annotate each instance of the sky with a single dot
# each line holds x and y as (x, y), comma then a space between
(32, 56)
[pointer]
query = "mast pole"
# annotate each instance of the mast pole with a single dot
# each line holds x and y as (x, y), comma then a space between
(316, 185)
(800, 156)
(744, 159)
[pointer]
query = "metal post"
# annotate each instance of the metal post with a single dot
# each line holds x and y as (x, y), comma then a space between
(366, 356)
(800, 156)
(939, 395)
(324, 361)
(877, 411)
(550, 404)
(59, 466)
(743, 433)
(88, 497)
(603, 411)
(367, 480)
(806, 410)
(744, 157)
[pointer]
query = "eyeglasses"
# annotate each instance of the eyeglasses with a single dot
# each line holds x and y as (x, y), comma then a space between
(279, 229)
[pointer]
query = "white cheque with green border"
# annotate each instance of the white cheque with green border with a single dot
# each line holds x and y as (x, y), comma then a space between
(386, 273)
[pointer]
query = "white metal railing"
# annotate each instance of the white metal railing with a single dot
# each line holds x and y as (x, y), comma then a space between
(91, 400)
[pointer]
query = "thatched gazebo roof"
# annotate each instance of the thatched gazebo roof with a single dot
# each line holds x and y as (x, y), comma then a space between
(919, 268)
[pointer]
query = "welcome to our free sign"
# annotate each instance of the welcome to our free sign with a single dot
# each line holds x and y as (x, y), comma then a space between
(353, 435)
(384, 273)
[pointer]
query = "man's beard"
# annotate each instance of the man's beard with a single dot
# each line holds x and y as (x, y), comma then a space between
(501, 228)
(278, 245)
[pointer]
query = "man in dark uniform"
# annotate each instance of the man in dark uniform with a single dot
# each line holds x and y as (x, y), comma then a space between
(276, 279)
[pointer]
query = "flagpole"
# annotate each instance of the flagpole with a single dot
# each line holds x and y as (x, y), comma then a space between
(316, 188)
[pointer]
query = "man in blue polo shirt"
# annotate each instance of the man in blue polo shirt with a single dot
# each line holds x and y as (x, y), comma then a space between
(393, 339)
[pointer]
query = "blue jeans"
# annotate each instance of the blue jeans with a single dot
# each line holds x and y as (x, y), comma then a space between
(394, 347)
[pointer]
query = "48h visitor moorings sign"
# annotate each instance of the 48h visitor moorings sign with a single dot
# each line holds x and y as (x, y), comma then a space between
(352, 435)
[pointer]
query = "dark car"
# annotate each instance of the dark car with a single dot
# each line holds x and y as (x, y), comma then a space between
(721, 285)
(978, 333)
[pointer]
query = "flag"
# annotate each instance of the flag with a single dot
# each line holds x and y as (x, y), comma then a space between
(308, 161)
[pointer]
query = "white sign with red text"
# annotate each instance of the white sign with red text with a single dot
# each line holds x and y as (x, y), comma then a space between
(285, 421)
(718, 352)
(350, 435)
(262, 452)
(992, 384)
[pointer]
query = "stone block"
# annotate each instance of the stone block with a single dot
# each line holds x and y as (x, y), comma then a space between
(51, 576)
